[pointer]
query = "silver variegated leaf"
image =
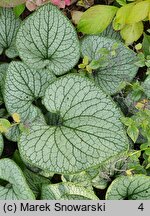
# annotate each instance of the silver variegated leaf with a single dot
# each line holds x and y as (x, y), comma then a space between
(116, 68)
(67, 191)
(9, 25)
(86, 131)
(16, 187)
(135, 187)
(48, 39)
(24, 85)
(3, 69)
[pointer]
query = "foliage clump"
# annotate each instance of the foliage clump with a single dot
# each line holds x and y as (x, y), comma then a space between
(74, 108)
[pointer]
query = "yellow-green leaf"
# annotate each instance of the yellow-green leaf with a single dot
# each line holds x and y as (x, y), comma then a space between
(129, 172)
(133, 132)
(121, 16)
(82, 66)
(96, 19)
(131, 33)
(89, 69)
(85, 60)
(4, 125)
(16, 117)
(138, 12)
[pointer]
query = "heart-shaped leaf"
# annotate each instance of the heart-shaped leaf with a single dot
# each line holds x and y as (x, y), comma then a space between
(1, 144)
(116, 68)
(23, 86)
(86, 130)
(9, 25)
(135, 187)
(10, 3)
(48, 39)
(16, 186)
(66, 191)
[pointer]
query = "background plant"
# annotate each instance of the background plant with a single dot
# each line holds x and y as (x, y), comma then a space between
(128, 19)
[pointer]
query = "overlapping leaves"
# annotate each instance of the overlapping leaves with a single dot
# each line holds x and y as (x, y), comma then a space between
(83, 124)
(15, 186)
(66, 191)
(86, 132)
(115, 68)
(23, 86)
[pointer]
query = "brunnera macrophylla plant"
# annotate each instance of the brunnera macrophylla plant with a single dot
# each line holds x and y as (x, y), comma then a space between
(64, 122)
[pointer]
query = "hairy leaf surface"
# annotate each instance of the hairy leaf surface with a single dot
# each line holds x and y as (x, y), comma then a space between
(48, 39)
(116, 69)
(16, 187)
(86, 132)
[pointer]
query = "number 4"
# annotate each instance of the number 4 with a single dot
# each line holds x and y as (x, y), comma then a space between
(141, 207)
